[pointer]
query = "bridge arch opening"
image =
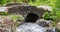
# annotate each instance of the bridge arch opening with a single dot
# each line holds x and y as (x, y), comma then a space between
(31, 17)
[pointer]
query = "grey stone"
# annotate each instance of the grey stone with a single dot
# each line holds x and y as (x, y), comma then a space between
(24, 9)
(44, 23)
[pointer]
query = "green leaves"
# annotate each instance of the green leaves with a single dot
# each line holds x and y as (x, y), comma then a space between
(49, 16)
(46, 16)
(33, 1)
(9, 1)
(3, 13)
(3, 2)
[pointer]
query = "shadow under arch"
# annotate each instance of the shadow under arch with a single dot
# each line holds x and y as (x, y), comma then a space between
(31, 17)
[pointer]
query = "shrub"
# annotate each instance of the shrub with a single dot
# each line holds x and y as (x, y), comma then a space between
(48, 16)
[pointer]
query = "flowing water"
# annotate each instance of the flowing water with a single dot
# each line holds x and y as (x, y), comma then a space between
(30, 27)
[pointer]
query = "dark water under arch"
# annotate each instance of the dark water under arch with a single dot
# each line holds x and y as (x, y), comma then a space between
(31, 17)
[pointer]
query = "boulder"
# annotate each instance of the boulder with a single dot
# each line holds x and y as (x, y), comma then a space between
(44, 23)
(6, 25)
(50, 30)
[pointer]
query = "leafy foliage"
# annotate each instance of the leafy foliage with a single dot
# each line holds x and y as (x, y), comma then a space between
(48, 16)
(3, 13)
(3, 2)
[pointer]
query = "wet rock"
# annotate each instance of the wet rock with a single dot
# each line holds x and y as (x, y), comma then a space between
(44, 23)
(50, 30)
(47, 24)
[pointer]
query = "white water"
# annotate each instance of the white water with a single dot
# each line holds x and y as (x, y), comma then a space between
(2, 9)
(30, 27)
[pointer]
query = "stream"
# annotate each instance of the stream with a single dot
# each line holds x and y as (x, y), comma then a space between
(31, 27)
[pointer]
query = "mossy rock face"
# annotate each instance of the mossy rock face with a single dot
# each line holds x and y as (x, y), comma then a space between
(6, 24)
(10, 22)
(17, 19)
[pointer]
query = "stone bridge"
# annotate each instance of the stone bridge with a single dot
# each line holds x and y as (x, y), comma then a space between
(24, 9)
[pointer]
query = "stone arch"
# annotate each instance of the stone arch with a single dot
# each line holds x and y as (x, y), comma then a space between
(25, 9)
